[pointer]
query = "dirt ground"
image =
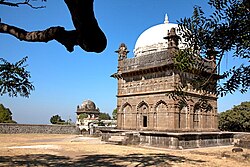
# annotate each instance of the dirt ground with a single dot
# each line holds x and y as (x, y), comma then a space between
(72, 150)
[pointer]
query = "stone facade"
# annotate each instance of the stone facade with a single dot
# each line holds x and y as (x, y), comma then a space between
(144, 83)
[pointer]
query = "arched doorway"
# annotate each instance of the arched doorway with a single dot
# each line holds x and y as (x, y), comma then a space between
(143, 110)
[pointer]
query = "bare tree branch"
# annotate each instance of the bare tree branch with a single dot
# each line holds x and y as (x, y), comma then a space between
(66, 38)
(16, 4)
(87, 35)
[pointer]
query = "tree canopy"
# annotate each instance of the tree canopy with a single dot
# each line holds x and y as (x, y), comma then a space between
(114, 114)
(83, 116)
(56, 119)
(237, 119)
(211, 38)
(14, 78)
(5, 115)
(104, 116)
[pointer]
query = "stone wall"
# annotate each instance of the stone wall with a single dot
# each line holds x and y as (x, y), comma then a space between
(31, 128)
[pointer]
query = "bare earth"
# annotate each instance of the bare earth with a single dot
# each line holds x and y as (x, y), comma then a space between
(72, 150)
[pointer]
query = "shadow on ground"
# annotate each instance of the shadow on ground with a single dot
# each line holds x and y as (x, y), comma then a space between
(95, 160)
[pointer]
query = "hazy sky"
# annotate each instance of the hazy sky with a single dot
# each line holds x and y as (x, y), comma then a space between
(64, 80)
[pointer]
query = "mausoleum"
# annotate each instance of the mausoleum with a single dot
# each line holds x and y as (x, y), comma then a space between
(87, 113)
(147, 113)
(145, 81)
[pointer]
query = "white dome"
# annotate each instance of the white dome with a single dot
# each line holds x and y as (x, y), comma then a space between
(152, 39)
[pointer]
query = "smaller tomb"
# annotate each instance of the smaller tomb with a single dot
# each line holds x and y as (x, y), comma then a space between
(87, 113)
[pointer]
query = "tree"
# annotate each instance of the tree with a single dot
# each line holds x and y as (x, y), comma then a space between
(5, 115)
(114, 114)
(14, 79)
(237, 119)
(210, 38)
(87, 33)
(83, 116)
(104, 116)
(56, 119)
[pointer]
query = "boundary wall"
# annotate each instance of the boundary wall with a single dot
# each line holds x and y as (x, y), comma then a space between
(6, 128)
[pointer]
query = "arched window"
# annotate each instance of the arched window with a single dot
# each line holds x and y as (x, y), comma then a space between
(127, 116)
(161, 115)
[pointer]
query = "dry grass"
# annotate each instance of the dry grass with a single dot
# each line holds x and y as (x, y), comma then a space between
(71, 150)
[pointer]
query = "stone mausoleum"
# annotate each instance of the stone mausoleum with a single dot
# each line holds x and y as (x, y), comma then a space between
(87, 113)
(146, 113)
(145, 81)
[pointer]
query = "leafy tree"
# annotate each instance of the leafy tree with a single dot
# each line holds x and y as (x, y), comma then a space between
(83, 116)
(211, 38)
(100, 123)
(56, 119)
(237, 119)
(104, 116)
(5, 115)
(114, 114)
(14, 78)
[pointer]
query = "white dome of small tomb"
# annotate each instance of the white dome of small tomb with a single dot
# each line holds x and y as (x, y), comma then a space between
(152, 39)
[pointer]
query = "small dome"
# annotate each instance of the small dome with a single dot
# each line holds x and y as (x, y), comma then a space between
(152, 39)
(88, 105)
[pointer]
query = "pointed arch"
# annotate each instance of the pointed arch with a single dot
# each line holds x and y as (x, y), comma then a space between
(159, 103)
(126, 107)
(141, 104)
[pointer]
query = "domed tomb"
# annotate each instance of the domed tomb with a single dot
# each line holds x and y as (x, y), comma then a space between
(145, 80)
(87, 113)
(152, 40)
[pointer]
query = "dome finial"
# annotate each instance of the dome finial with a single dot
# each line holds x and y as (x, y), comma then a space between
(166, 19)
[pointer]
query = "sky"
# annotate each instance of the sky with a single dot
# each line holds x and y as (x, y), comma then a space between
(64, 80)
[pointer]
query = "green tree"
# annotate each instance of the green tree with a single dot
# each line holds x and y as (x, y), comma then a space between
(56, 119)
(114, 114)
(211, 38)
(5, 115)
(83, 116)
(104, 116)
(14, 78)
(237, 119)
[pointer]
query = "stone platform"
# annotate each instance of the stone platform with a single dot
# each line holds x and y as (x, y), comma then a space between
(170, 140)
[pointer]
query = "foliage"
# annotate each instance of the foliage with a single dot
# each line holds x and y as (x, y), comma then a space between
(114, 114)
(14, 78)
(82, 116)
(5, 115)
(104, 116)
(56, 119)
(226, 29)
(237, 119)
(100, 123)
